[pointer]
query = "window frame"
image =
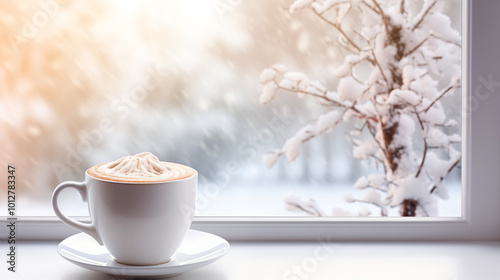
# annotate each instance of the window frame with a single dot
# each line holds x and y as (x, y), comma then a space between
(480, 218)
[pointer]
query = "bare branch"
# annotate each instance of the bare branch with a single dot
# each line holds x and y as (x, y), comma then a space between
(442, 178)
(423, 209)
(386, 20)
(324, 97)
(423, 158)
(377, 188)
(423, 16)
(416, 47)
(384, 151)
(450, 87)
(442, 147)
(361, 35)
(380, 68)
(337, 4)
(372, 132)
(424, 74)
(337, 26)
(447, 41)
(433, 189)
(370, 7)
(381, 161)
(402, 7)
(425, 142)
(313, 212)
(378, 6)
(310, 135)
(370, 129)
(383, 212)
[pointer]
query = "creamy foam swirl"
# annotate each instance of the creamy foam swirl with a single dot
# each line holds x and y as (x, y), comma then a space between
(143, 167)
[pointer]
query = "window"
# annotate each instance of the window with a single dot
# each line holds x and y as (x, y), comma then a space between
(189, 93)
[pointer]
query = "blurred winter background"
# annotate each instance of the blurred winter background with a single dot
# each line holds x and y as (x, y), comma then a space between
(86, 82)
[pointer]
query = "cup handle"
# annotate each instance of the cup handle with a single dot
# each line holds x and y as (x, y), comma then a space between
(84, 227)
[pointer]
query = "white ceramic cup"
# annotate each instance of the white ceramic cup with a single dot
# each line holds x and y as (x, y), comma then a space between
(139, 223)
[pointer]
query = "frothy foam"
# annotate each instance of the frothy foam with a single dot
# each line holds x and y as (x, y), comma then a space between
(143, 167)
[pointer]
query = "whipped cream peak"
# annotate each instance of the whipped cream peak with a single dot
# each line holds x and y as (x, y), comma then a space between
(143, 167)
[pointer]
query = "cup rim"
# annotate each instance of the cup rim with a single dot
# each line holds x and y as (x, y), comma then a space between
(142, 183)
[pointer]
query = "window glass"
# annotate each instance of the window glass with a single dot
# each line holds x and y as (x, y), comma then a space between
(285, 108)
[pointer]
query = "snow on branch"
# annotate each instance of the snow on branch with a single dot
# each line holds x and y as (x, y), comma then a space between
(375, 181)
(401, 96)
(293, 146)
(267, 78)
(299, 83)
(399, 103)
(455, 83)
(371, 197)
(299, 4)
(320, 12)
(426, 8)
(297, 203)
(339, 212)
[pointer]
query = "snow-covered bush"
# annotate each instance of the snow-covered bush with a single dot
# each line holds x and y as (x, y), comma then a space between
(409, 52)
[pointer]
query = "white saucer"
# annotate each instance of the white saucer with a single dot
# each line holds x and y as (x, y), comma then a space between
(198, 249)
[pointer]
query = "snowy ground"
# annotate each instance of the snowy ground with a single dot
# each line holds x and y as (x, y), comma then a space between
(267, 200)
(249, 200)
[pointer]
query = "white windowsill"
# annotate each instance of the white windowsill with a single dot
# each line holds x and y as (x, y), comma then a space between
(257, 260)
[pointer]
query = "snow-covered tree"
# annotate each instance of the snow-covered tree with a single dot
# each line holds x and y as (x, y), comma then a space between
(400, 122)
